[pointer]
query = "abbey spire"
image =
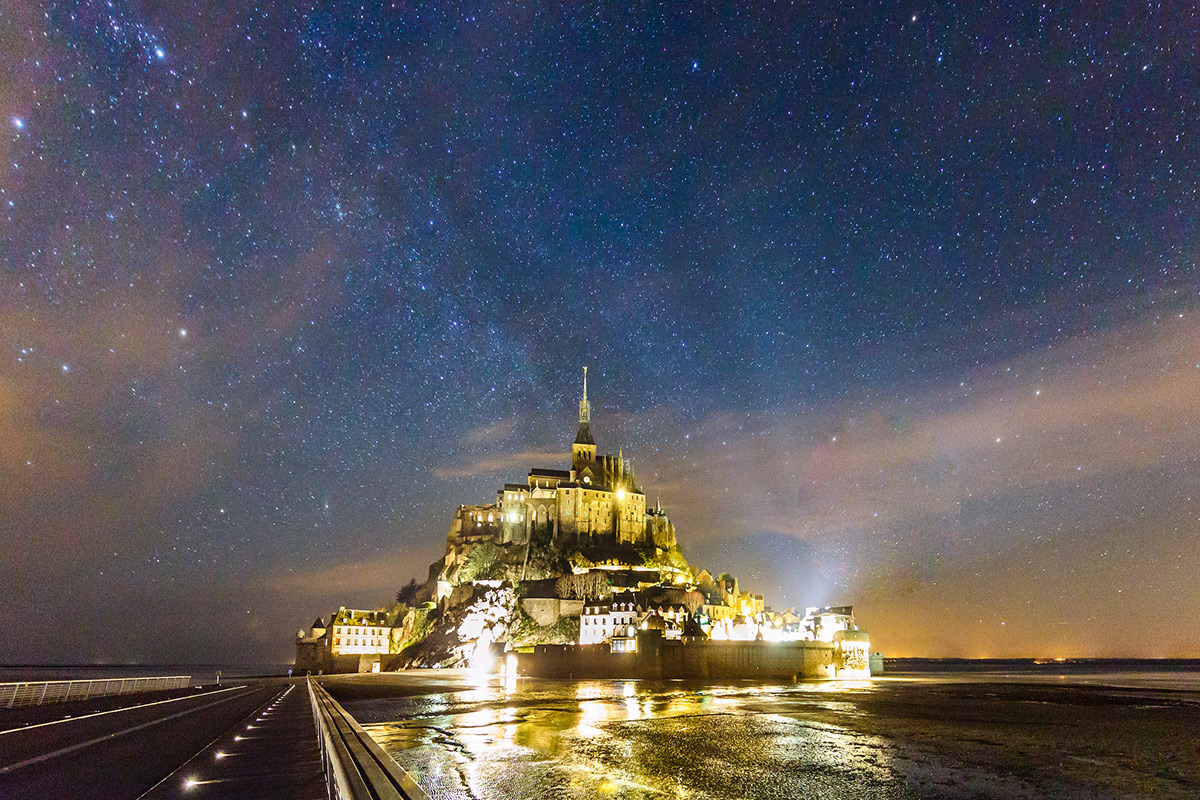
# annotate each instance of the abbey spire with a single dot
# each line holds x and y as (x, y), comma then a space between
(584, 449)
(585, 408)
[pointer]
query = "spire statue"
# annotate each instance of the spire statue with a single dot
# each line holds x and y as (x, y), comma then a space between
(585, 408)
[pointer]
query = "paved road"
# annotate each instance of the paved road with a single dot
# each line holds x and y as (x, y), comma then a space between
(123, 753)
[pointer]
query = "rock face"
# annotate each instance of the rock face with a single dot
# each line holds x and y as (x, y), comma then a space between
(463, 631)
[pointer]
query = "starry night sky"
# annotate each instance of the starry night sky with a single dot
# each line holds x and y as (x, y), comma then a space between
(892, 305)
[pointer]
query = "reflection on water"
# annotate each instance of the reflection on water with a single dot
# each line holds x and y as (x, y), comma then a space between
(633, 739)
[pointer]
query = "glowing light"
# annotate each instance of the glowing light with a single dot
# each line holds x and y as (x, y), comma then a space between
(190, 784)
(18, 123)
(482, 662)
(158, 51)
(220, 754)
(620, 494)
(510, 673)
(183, 333)
(66, 368)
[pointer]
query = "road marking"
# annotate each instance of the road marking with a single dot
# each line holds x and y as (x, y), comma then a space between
(204, 749)
(115, 710)
(79, 746)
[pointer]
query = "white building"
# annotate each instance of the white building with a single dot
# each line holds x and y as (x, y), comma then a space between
(360, 633)
(599, 622)
(823, 623)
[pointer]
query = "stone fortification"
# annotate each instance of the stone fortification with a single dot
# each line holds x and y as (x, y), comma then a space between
(657, 657)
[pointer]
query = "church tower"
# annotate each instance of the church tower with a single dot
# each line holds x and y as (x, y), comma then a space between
(584, 449)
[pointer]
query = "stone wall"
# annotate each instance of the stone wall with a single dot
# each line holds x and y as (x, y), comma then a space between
(319, 661)
(547, 611)
(660, 658)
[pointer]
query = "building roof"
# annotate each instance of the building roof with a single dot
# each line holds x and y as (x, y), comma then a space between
(549, 473)
(585, 435)
(352, 616)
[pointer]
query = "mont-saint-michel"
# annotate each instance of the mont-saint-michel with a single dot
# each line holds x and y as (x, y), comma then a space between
(573, 573)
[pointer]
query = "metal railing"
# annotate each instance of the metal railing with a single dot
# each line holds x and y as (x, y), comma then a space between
(32, 693)
(356, 767)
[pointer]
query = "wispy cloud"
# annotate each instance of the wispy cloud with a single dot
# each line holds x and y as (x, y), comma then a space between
(507, 466)
(1021, 497)
(1122, 401)
(498, 431)
(362, 578)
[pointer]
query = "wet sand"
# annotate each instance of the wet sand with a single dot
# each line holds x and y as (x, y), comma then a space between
(919, 736)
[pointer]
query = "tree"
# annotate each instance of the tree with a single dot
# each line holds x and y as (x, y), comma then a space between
(584, 586)
(693, 601)
(484, 563)
(408, 593)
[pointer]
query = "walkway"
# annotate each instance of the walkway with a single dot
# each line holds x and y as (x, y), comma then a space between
(272, 753)
(250, 741)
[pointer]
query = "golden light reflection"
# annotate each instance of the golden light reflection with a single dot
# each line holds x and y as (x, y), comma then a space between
(510, 674)
(491, 741)
(480, 718)
(590, 713)
(592, 690)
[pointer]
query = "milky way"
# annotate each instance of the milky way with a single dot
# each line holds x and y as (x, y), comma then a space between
(889, 305)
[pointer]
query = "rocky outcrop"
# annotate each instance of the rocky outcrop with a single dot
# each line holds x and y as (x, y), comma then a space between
(462, 632)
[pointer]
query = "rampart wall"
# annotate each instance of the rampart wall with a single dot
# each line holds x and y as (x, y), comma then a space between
(660, 658)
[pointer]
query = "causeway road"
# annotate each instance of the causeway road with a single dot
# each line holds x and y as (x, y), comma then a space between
(249, 740)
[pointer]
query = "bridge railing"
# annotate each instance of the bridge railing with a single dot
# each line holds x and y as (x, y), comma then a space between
(356, 767)
(31, 693)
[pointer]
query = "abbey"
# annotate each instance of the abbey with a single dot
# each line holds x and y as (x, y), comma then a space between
(597, 502)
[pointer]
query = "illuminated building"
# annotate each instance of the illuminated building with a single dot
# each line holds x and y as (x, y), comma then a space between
(617, 621)
(597, 501)
(599, 622)
(353, 641)
(821, 624)
(360, 633)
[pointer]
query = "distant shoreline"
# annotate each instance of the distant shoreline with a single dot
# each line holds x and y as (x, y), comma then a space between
(956, 664)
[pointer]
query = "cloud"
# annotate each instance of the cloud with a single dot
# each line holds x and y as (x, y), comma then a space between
(359, 578)
(1059, 488)
(488, 434)
(515, 463)
(1099, 407)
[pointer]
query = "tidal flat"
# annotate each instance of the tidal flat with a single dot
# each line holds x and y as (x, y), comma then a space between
(897, 736)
